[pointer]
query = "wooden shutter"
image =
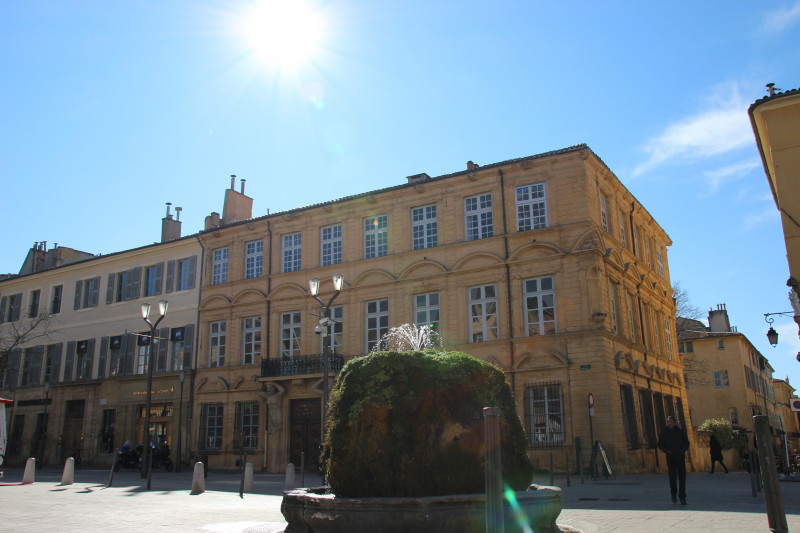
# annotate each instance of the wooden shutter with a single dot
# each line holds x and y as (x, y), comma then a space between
(188, 343)
(102, 357)
(163, 345)
(159, 277)
(95, 294)
(55, 367)
(192, 271)
(3, 301)
(36, 354)
(17, 303)
(11, 375)
(78, 287)
(136, 283)
(110, 289)
(89, 365)
(130, 354)
(69, 362)
(170, 275)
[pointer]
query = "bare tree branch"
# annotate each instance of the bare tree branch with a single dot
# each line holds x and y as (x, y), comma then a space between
(684, 305)
(17, 333)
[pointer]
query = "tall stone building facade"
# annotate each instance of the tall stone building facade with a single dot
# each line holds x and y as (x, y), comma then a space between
(545, 266)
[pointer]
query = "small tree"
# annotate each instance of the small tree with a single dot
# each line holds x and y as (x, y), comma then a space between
(685, 308)
(725, 433)
(17, 333)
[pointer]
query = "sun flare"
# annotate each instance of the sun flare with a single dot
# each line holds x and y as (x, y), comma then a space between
(283, 33)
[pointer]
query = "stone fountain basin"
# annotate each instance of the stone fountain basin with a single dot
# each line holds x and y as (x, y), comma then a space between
(313, 511)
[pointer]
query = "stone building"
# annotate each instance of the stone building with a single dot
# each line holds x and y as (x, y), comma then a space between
(790, 420)
(78, 380)
(545, 266)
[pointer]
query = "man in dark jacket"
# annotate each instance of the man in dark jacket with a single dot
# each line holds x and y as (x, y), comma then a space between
(674, 443)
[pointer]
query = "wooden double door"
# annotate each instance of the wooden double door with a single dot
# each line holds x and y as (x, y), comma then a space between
(305, 432)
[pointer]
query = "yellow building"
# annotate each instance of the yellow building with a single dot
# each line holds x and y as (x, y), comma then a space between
(790, 420)
(78, 381)
(546, 266)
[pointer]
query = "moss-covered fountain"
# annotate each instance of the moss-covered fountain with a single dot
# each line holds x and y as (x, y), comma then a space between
(405, 451)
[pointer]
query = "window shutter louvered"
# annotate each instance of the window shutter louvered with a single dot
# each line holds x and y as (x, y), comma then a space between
(94, 297)
(78, 287)
(130, 354)
(3, 302)
(136, 285)
(192, 270)
(102, 358)
(37, 355)
(89, 365)
(56, 363)
(159, 276)
(17, 299)
(69, 361)
(163, 345)
(110, 289)
(188, 343)
(170, 275)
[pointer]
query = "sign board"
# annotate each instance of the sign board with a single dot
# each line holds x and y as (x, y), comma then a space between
(591, 400)
(795, 404)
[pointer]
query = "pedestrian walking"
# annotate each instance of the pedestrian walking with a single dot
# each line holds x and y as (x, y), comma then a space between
(716, 453)
(674, 443)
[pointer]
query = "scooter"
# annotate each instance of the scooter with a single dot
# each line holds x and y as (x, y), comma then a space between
(161, 457)
(128, 458)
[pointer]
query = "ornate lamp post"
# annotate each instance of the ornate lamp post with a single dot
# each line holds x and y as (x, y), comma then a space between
(162, 311)
(324, 324)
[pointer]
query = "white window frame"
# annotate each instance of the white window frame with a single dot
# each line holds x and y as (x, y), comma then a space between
(612, 290)
(216, 343)
(152, 281)
(545, 414)
(604, 212)
(337, 316)
(251, 339)
(219, 272)
(183, 268)
(330, 245)
(212, 434)
(253, 259)
(630, 300)
(376, 322)
(376, 236)
(478, 218)
(622, 237)
(721, 379)
(541, 318)
(531, 207)
(668, 337)
(290, 334)
(427, 310)
(660, 259)
(292, 252)
(482, 313)
(424, 227)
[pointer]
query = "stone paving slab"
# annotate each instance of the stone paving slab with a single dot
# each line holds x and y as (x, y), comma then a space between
(626, 504)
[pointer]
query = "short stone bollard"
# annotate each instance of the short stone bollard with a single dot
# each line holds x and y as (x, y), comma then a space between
(29, 476)
(290, 483)
(68, 477)
(198, 479)
(248, 477)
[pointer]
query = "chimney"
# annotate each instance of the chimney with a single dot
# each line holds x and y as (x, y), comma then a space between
(237, 207)
(471, 165)
(418, 178)
(170, 229)
(718, 321)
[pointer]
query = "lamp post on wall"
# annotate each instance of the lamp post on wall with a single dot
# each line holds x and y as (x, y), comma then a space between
(324, 323)
(181, 378)
(162, 311)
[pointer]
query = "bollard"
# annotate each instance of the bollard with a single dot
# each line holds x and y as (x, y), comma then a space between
(248, 477)
(113, 464)
(493, 470)
(198, 479)
(29, 476)
(776, 514)
(289, 484)
(753, 481)
(68, 477)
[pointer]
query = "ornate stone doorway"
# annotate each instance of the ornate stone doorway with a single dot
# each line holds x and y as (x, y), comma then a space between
(305, 432)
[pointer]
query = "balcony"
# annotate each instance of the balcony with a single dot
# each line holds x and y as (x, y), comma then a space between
(298, 366)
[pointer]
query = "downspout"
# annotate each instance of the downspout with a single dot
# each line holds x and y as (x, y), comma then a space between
(190, 415)
(269, 287)
(508, 279)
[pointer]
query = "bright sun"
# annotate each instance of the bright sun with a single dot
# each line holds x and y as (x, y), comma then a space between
(283, 33)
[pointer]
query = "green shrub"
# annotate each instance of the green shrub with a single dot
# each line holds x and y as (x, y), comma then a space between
(727, 436)
(410, 424)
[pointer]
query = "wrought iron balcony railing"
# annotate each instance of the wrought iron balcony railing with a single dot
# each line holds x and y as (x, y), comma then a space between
(298, 366)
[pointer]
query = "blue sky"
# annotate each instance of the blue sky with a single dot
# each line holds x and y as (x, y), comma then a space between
(108, 110)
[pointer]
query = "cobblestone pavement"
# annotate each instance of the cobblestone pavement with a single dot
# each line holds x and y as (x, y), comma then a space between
(626, 504)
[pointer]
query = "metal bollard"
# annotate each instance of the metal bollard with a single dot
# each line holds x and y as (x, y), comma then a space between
(493, 471)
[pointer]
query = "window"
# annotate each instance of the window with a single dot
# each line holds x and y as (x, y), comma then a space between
(211, 427)
(612, 293)
(325, 340)
(251, 338)
(622, 238)
(176, 356)
(660, 259)
(33, 304)
(721, 378)
(186, 270)
(478, 222)
(107, 431)
(291, 252)
(331, 245)
(531, 207)
(127, 288)
(424, 230)
(10, 307)
(686, 347)
(720, 344)
(604, 212)
(376, 237)
(377, 322)
(647, 251)
(733, 415)
(143, 352)
(51, 362)
(629, 415)
(87, 293)
(32, 366)
(253, 259)
(246, 428)
(290, 334)
(632, 318)
(55, 300)
(219, 272)
(483, 313)
(540, 306)
(216, 344)
(648, 421)
(153, 276)
(544, 415)
(426, 310)
(668, 337)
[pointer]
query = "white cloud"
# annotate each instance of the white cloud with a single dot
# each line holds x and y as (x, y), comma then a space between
(780, 19)
(721, 128)
(756, 219)
(730, 173)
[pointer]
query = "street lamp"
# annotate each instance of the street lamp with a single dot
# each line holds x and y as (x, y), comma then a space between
(772, 335)
(181, 378)
(325, 322)
(162, 312)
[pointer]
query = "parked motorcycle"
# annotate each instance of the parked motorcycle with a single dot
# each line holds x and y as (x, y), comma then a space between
(161, 457)
(128, 457)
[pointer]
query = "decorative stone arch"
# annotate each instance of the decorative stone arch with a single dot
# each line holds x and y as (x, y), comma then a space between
(287, 290)
(624, 358)
(425, 264)
(590, 240)
(379, 275)
(614, 257)
(249, 296)
(496, 362)
(485, 257)
(535, 250)
(215, 302)
(526, 357)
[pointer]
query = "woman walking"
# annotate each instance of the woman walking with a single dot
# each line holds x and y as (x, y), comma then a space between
(716, 453)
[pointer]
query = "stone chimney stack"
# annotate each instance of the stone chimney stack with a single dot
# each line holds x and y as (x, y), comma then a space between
(718, 320)
(237, 206)
(171, 229)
